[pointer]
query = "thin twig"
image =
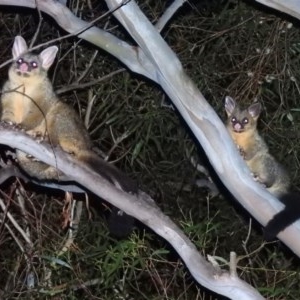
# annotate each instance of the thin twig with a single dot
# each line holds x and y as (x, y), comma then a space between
(87, 69)
(168, 14)
(15, 223)
(38, 28)
(76, 86)
(90, 104)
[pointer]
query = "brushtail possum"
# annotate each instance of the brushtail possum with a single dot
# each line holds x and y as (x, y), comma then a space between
(28, 99)
(242, 126)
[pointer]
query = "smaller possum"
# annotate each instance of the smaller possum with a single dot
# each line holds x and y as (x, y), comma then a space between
(242, 126)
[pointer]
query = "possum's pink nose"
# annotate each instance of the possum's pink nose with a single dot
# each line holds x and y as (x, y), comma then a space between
(237, 127)
(23, 67)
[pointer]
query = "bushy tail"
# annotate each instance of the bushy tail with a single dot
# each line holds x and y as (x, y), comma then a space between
(109, 172)
(284, 218)
(119, 223)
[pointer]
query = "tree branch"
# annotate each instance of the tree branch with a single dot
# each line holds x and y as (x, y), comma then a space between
(290, 7)
(204, 122)
(136, 60)
(168, 14)
(142, 208)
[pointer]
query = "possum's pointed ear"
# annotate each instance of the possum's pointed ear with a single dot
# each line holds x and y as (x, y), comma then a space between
(47, 57)
(19, 47)
(229, 105)
(254, 110)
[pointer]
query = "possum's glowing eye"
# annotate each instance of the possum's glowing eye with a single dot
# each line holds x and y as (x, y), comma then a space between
(20, 61)
(245, 121)
(34, 64)
(233, 120)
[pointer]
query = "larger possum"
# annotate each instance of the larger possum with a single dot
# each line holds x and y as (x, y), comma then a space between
(28, 100)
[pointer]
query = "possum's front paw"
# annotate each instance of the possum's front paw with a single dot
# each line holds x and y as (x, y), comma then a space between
(37, 135)
(13, 125)
(242, 152)
(258, 179)
(31, 157)
(255, 177)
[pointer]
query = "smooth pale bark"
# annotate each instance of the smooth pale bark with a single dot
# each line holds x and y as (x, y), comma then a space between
(290, 7)
(203, 121)
(142, 208)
